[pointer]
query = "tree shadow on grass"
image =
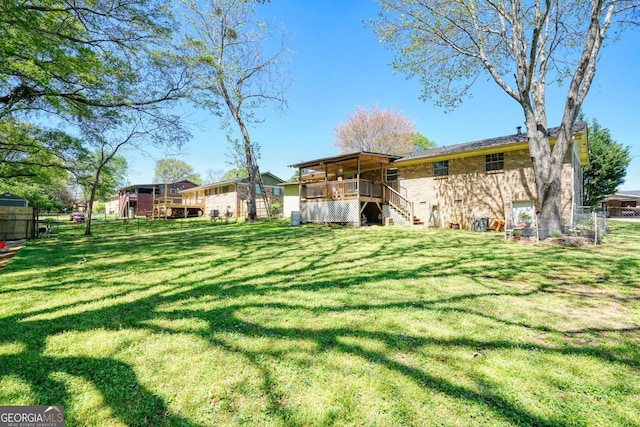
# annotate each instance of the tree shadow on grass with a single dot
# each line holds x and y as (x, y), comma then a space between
(129, 401)
(134, 404)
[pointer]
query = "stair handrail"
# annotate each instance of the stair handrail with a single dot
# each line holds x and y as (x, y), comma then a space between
(399, 201)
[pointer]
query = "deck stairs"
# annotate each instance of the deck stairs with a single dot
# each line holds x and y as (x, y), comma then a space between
(401, 205)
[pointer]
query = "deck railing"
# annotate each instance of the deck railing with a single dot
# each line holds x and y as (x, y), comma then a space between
(193, 200)
(348, 188)
(167, 200)
(398, 201)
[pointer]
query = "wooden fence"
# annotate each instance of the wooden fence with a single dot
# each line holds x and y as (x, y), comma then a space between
(16, 223)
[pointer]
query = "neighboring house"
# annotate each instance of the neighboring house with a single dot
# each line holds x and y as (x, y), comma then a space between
(291, 200)
(445, 187)
(112, 205)
(229, 198)
(623, 204)
(142, 199)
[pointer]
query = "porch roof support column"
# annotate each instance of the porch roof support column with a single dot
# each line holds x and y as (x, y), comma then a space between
(358, 176)
(358, 189)
(299, 188)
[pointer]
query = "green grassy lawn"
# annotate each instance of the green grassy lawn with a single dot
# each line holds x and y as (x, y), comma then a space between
(266, 324)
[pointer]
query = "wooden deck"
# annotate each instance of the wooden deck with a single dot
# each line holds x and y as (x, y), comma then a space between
(176, 207)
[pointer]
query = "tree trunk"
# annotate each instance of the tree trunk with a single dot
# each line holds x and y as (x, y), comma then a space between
(549, 196)
(251, 170)
(547, 171)
(94, 187)
(252, 214)
(89, 211)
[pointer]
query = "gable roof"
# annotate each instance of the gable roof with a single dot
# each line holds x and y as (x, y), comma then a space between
(624, 195)
(348, 161)
(497, 143)
(270, 177)
(242, 180)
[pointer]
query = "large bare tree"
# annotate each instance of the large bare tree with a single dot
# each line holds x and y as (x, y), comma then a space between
(380, 131)
(524, 46)
(238, 73)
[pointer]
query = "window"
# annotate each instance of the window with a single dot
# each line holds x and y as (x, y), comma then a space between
(441, 168)
(392, 175)
(172, 191)
(277, 191)
(494, 162)
(258, 191)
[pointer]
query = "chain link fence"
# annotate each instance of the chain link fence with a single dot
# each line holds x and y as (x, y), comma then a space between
(627, 212)
(589, 223)
(110, 225)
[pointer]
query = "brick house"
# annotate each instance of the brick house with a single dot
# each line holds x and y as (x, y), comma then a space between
(446, 186)
(229, 198)
(138, 200)
(623, 204)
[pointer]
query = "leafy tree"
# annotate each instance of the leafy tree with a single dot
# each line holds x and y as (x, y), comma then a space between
(50, 195)
(522, 46)
(174, 170)
(421, 142)
(69, 57)
(227, 49)
(295, 177)
(233, 174)
(607, 168)
(112, 176)
(82, 61)
(375, 130)
(99, 207)
(34, 154)
(35, 163)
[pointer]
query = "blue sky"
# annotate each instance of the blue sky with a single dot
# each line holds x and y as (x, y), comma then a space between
(338, 64)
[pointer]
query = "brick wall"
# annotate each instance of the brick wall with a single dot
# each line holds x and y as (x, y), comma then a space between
(221, 202)
(469, 191)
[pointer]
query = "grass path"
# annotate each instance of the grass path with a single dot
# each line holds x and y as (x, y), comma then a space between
(268, 324)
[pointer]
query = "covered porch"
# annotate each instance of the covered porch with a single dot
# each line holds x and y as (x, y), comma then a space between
(349, 188)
